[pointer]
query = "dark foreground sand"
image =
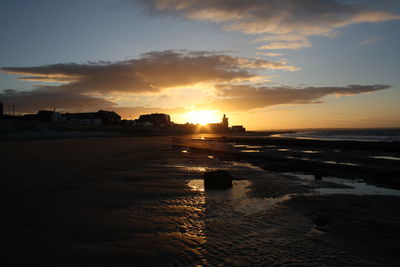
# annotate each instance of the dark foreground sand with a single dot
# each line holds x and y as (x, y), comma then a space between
(124, 201)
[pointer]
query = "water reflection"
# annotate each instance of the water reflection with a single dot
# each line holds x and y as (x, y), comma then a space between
(192, 168)
(358, 188)
(341, 163)
(234, 199)
(353, 187)
(310, 151)
(247, 146)
(230, 223)
(386, 157)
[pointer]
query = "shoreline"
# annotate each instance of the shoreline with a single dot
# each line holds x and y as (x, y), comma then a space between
(125, 201)
(345, 159)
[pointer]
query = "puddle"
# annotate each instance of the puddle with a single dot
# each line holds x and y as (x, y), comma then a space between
(247, 146)
(300, 158)
(192, 168)
(302, 176)
(386, 157)
(310, 151)
(246, 165)
(341, 163)
(239, 189)
(235, 199)
(358, 187)
(250, 151)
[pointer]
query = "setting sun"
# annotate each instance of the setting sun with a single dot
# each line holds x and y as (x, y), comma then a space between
(202, 116)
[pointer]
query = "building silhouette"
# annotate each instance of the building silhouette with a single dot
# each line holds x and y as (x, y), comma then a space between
(225, 122)
(154, 119)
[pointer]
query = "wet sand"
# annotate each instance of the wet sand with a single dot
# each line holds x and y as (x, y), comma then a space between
(125, 201)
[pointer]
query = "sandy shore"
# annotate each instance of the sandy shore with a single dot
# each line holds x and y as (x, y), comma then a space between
(124, 201)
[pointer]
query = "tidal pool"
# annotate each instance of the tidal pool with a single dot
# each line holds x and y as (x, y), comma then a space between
(386, 157)
(247, 146)
(236, 198)
(354, 187)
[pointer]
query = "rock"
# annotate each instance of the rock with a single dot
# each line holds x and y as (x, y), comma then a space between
(318, 219)
(317, 177)
(219, 179)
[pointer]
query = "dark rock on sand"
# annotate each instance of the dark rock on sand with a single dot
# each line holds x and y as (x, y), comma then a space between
(318, 219)
(219, 179)
(317, 176)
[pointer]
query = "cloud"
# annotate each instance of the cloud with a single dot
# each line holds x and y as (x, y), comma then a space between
(229, 98)
(289, 41)
(151, 73)
(369, 41)
(32, 101)
(274, 18)
(268, 54)
(245, 97)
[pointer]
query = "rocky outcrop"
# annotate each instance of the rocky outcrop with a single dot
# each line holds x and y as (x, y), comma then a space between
(219, 179)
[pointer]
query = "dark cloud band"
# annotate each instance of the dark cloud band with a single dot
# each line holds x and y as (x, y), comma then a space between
(151, 73)
(244, 97)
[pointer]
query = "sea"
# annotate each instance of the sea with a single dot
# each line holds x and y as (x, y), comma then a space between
(371, 135)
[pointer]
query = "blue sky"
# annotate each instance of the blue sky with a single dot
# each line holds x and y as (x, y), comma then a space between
(43, 32)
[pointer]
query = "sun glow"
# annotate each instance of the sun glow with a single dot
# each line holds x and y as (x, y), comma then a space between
(202, 116)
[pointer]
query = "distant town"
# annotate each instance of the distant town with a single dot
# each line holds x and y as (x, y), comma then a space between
(111, 119)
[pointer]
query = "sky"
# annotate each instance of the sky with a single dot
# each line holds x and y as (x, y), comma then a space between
(267, 64)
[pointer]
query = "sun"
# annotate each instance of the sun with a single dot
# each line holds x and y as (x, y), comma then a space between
(202, 116)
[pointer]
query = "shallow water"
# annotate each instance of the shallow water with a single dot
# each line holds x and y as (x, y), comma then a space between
(245, 165)
(341, 163)
(310, 151)
(358, 187)
(192, 168)
(236, 198)
(300, 158)
(247, 146)
(377, 135)
(386, 157)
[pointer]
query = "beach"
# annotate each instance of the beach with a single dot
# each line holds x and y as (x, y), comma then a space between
(139, 201)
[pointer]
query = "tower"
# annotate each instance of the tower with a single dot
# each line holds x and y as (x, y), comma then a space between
(225, 122)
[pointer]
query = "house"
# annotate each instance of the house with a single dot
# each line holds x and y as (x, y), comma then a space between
(108, 117)
(46, 116)
(154, 119)
(238, 128)
(88, 118)
(100, 117)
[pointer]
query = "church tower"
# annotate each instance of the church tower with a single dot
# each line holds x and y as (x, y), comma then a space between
(225, 122)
